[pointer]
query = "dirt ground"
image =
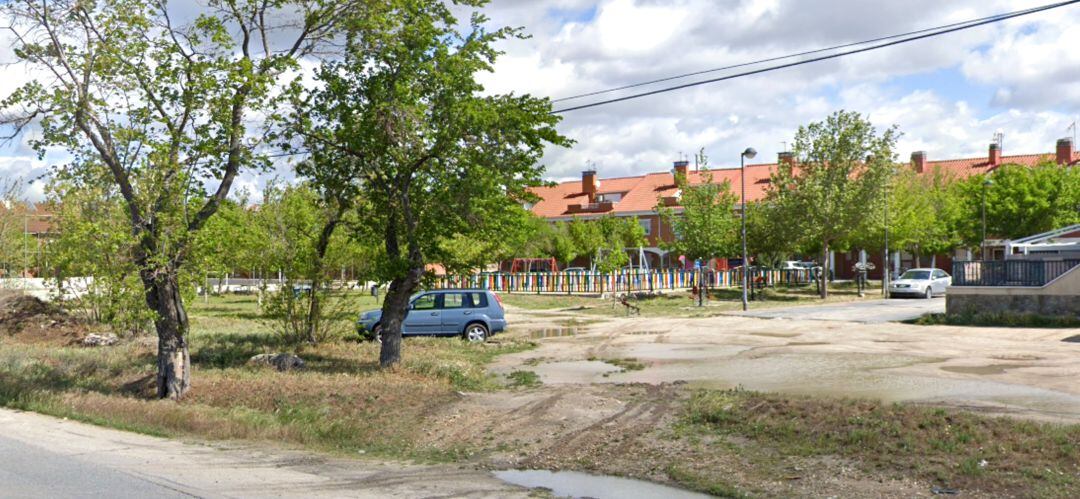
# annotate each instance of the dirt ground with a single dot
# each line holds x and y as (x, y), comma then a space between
(1020, 372)
(29, 319)
(593, 413)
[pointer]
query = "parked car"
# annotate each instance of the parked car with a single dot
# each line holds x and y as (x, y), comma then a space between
(797, 265)
(921, 282)
(575, 270)
(472, 314)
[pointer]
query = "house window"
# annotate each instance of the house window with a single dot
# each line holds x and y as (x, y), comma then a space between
(610, 197)
(647, 225)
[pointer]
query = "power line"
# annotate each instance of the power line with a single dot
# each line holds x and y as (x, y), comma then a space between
(935, 32)
(777, 58)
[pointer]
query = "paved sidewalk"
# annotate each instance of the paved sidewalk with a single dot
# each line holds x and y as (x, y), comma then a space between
(867, 312)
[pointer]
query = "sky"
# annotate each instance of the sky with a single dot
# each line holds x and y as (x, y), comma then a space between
(949, 95)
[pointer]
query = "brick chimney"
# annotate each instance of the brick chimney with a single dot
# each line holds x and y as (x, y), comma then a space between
(785, 158)
(682, 168)
(589, 184)
(995, 154)
(1064, 151)
(918, 159)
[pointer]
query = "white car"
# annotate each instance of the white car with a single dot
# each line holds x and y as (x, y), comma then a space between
(921, 282)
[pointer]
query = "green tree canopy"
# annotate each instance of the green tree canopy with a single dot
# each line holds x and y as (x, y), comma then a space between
(840, 167)
(706, 227)
(166, 109)
(1020, 201)
(434, 159)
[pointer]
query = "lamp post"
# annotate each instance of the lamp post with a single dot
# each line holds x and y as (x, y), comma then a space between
(886, 274)
(982, 247)
(748, 153)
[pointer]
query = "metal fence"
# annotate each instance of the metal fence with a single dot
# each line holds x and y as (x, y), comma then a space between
(628, 281)
(1030, 273)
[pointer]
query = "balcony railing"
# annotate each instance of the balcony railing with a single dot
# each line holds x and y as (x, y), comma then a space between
(1029, 273)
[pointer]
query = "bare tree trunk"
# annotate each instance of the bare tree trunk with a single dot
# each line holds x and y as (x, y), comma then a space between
(395, 308)
(824, 277)
(174, 361)
(321, 246)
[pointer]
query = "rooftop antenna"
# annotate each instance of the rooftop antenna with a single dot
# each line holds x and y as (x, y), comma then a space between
(784, 143)
(999, 139)
(1073, 128)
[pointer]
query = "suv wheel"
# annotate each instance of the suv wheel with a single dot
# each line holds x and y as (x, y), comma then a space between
(476, 333)
(376, 333)
(929, 293)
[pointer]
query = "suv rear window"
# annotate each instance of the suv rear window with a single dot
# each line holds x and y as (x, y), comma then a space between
(478, 300)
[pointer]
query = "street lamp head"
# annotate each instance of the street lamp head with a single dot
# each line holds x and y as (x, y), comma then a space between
(749, 153)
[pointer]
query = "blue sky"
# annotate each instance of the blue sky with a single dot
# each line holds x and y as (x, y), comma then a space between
(948, 95)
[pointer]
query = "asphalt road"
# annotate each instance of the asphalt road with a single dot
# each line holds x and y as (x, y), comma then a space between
(42, 456)
(867, 312)
(31, 472)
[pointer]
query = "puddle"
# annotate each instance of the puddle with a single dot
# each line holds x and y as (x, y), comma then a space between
(806, 343)
(574, 484)
(984, 370)
(1072, 339)
(553, 332)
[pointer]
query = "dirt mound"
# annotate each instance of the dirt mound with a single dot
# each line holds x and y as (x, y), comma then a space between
(28, 318)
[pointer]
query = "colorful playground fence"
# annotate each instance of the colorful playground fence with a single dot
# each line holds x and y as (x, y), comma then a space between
(618, 282)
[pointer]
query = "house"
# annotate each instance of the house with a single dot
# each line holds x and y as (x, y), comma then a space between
(593, 197)
(1039, 275)
(26, 231)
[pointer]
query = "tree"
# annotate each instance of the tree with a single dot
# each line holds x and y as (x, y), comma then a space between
(924, 213)
(168, 110)
(586, 237)
(432, 157)
(616, 235)
(839, 169)
(92, 254)
(768, 234)
(707, 226)
(13, 212)
(1020, 201)
(298, 226)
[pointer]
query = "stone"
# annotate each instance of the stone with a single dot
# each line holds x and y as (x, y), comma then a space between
(99, 340)
(280, 361)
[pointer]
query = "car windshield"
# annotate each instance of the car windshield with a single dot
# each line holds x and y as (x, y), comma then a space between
(916, 275)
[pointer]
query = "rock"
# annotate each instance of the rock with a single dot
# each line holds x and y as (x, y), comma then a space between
(99, 340)
(280, 361)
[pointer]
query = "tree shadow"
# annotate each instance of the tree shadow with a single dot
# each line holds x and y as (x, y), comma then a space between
(230, 350)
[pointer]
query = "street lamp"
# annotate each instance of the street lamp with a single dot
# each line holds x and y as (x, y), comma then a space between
(986, 184)
(885, 272)
(748, 153)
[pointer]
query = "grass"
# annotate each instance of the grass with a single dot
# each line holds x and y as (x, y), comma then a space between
(524, 379)
(948, 448)
(341, 403)
(997, 320)
(627, 364)
(682, 304)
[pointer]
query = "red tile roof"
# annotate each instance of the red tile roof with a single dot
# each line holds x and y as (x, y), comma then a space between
(964, 168)
(642, 193)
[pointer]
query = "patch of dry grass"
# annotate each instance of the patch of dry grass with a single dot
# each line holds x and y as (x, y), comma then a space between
(953, 449)
(342, 402)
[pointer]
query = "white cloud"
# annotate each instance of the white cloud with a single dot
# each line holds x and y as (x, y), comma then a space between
(1021, 76)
